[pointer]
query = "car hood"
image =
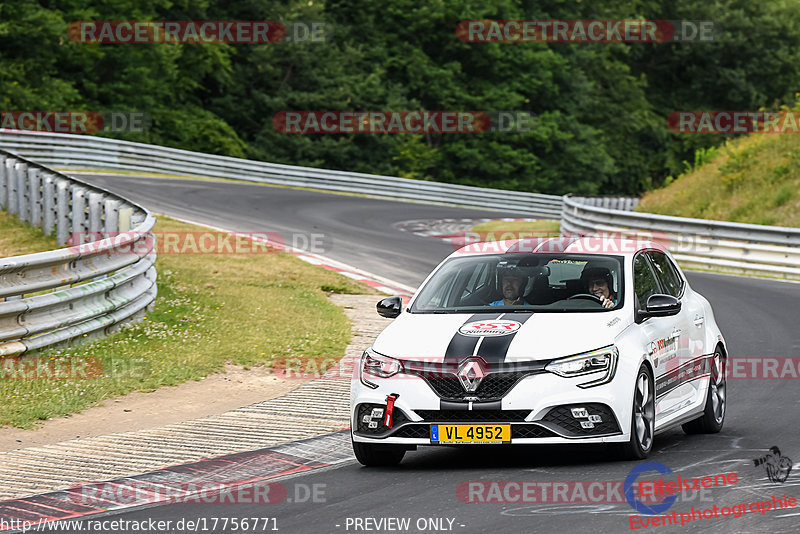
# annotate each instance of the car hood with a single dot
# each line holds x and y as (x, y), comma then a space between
(541, 336)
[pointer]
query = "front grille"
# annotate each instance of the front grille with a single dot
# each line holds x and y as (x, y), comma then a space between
(562, 418)
(473, 416)
(413, 431)
(531, 431)
(494, 386)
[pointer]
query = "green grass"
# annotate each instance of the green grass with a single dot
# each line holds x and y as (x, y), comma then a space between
(247, 309)
(753, 179)
(18, 238)
(500, 230)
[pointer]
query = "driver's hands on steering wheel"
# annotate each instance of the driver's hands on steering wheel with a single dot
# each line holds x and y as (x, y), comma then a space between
(606, 303)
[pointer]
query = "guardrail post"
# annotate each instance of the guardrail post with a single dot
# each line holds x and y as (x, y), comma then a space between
(35, 196)
(96, 215)
(3, 182)
(125, 218)
(12, 188)
(79, 223)
(23, 198)
(63, 221)
(137, 219)
(48, 203)
(111, 216)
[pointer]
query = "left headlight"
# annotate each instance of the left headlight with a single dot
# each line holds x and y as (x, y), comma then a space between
(378, 365)
(597, 361)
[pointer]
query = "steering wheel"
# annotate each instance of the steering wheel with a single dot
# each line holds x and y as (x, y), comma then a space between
(588, 296)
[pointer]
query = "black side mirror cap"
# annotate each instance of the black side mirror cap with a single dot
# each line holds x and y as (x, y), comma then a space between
(659, 305)
(390, 307)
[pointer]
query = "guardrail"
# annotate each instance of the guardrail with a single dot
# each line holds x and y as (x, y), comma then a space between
(750, 249)
(82, 291)
(85, 152)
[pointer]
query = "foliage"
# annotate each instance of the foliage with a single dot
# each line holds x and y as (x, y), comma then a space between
(599, 109)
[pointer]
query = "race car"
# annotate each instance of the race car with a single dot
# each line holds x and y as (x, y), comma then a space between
(542, 341)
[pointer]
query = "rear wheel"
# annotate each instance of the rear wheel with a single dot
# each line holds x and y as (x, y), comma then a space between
(714, 413)
(378, 455)
(642, 419)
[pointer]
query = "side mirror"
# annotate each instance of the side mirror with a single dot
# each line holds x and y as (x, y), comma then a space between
(659, 305)
(390, 307)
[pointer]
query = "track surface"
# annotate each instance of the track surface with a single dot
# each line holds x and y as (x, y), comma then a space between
(758, 317)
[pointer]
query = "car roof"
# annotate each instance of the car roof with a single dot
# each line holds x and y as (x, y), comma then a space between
(596, 244)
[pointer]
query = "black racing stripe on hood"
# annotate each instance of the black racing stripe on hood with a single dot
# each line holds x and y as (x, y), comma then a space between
(462, 346)
(494, 349)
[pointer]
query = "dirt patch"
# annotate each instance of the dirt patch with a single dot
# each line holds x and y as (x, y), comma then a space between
(213, 395)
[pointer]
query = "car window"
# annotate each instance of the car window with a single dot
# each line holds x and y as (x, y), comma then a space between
(552, 282)
(644, 282)
(667, 275)
(477, 280)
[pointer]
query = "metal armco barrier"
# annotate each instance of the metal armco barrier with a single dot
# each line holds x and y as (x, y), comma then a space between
(87, 152)
(84, 290)
(749, 249)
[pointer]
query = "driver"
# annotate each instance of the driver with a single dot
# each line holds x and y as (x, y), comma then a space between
(599, 282)
(512, 283)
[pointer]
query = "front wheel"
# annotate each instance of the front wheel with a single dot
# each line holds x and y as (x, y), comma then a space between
(643, 418)
(377, 455)
(714, 413)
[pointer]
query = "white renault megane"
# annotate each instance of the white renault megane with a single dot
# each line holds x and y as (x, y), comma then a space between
(562, 340)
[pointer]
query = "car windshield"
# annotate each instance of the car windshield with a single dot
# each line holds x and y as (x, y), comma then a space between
(524, 282)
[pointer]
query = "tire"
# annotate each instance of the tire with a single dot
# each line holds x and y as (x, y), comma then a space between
(642, 426)
(376, 455)
(716, 400)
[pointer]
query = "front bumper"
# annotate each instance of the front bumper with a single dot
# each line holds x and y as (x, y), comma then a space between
(539, 409)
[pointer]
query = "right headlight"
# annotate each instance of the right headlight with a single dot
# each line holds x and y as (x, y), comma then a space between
(378, 365)
(597, 361)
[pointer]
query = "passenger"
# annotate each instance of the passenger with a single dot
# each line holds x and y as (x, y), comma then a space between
(513, 282)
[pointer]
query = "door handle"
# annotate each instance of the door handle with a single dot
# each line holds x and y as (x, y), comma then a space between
(698, 321)
(676, 333)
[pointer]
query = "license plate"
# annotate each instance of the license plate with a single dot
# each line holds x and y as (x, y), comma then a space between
(446, 434)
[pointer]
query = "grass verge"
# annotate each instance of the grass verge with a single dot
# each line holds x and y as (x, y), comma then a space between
(18, 238)
(753, 179)
(246, 309)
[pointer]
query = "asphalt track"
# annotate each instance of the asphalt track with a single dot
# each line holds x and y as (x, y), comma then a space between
(758, 317)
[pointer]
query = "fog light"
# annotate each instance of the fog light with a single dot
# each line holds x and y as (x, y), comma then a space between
(579, 412)
(587, 424)
(595, 419)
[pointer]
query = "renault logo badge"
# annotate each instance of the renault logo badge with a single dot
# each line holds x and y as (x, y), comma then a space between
(471, 373)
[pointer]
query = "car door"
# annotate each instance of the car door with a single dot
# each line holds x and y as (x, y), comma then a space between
(681, 390)
(657, 333)
(692, 326)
